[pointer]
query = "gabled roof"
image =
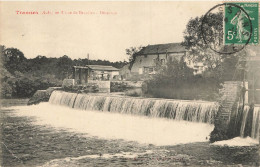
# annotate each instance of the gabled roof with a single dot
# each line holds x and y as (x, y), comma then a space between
(162, 48)
(100, 67)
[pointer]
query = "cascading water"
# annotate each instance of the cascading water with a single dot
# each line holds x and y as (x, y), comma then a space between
(244, 120)
(64, 98)
(250, 122)
(194, 111)
(255, 123)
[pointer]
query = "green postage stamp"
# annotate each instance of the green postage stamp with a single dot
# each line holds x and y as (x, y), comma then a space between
(241, 23)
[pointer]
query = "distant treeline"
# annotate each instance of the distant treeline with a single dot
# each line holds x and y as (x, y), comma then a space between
(21, 77)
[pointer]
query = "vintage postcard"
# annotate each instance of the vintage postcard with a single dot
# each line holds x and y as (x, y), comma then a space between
(135, 83)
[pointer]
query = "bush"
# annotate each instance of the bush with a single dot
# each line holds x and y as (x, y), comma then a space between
(26, 86)
(89, 88)
(177, 81)
(6, 90)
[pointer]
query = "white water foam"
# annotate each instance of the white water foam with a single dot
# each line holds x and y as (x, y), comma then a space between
(237, 141)
(157, 131)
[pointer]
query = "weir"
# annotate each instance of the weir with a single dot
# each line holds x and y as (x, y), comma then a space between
(194, 111)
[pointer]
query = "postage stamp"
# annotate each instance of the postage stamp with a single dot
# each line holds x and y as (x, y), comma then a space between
(241, 23)
(228, 27)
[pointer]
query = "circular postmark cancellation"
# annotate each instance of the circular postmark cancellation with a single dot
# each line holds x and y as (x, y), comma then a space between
(226, 28)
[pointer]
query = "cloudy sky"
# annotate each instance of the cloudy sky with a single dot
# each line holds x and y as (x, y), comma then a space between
(103, 36)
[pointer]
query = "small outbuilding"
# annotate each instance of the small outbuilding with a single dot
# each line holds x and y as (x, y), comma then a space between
(82, 74)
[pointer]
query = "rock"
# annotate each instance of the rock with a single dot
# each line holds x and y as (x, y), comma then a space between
(68, 83)
(41, 96)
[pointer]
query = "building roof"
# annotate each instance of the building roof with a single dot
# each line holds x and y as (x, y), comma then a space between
(100, 67)
(80, 67)
(162, 48)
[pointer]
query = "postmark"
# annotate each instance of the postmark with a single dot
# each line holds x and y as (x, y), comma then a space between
(227, 28)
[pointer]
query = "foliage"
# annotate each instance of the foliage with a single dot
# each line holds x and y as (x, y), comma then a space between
(88, 88)
(176, 71)
(13, 59)
(132, 51)
(64, 66)
(176, 80)
(221, 66)
(83, 62)
(194, 42)
(22, 77)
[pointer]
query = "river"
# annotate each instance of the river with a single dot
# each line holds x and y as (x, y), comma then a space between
(51, 135)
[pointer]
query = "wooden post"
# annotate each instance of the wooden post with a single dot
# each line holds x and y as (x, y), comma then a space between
(74, 71)
(253, 92)
(86, 75)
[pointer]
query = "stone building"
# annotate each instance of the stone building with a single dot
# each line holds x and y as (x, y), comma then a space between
(146, 59)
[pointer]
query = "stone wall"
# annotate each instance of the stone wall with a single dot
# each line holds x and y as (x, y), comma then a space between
(42, 95)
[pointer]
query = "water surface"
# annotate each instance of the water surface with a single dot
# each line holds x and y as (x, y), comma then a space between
(40, 135)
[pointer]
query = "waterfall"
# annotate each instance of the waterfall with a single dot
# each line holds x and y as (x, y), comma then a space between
(255, 123)
(63, 98)
(194, 111)
(250, 122)
(244, 120)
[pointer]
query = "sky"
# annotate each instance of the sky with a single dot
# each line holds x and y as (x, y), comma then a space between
(102, 36)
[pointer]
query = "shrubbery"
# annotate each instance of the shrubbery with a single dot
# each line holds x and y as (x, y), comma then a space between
(26, 86)
(176, 80)
(88, 88)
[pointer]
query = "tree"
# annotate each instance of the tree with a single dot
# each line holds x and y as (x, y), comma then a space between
(221, 66)
(7, 86)
(13, 59)
(132, 51)
(194, 42)
(175, 73)
(64, 65)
